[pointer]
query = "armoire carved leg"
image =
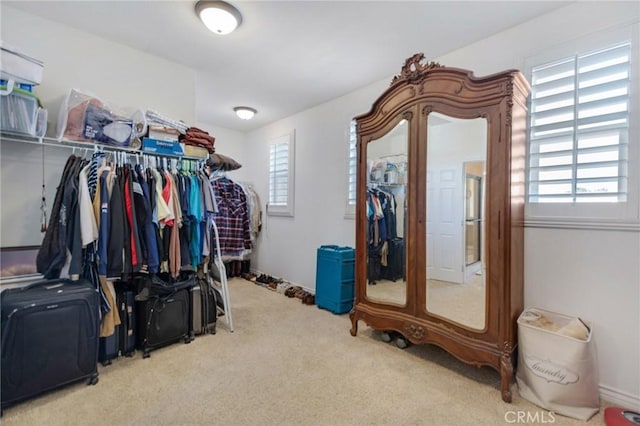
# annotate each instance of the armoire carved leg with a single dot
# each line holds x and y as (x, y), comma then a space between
(506, 375)
(354, 323)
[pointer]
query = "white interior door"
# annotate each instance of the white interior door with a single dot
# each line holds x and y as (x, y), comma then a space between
(445, 254)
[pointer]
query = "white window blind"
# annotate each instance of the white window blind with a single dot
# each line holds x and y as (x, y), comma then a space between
(579, 128)
(281, 173)
(351, 194)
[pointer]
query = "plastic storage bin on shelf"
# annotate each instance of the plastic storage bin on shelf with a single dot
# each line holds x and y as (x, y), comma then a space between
(335, 273)
(19, 111)
(19, 67)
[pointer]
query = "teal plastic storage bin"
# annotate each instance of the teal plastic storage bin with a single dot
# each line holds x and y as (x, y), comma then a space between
(335, 307)
(335, 275)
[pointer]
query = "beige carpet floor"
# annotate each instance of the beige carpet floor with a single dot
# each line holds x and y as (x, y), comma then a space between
(285, 364)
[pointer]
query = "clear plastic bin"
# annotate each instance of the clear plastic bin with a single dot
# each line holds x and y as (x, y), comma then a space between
(18, 112)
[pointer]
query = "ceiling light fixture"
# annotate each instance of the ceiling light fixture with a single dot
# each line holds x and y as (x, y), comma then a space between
(219, 16)
(244, 112)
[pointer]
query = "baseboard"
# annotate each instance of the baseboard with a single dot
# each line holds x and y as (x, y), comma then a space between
(620, 398)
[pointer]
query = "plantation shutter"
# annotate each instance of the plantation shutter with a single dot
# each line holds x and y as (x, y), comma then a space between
(579, 128)
(279, 174)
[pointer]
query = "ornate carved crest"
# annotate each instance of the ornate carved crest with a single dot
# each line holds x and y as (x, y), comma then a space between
(415, 331)
(413, 70)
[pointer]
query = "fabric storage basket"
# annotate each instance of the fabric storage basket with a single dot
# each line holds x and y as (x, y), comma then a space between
(557, 364)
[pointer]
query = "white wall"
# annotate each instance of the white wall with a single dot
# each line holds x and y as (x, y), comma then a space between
(113, 72)
(287, 245)
(74, 59)
(588, 273)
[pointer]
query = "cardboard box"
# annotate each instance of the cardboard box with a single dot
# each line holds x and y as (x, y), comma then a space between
(161, 147)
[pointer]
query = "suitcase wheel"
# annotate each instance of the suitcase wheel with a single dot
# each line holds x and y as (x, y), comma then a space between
(187, 339)
(93, 380)
(145, 354)
(129, 354)
(105, 363)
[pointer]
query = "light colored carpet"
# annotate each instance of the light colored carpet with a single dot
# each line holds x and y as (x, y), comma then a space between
(285, 364)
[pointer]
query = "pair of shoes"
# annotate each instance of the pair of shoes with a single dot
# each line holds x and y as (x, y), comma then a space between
(309, 299)
(263, 278)
(291, 291)
(249, 276)
(266, 279)
(299, 294)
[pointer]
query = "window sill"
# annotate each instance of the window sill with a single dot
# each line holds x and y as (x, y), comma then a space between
(598, 225)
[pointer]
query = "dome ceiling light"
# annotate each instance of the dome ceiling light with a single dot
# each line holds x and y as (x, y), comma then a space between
(244, 112)
(218, 16)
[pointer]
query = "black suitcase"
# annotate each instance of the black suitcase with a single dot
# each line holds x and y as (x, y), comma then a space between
(50, 335)
(395, 260)
(123, 341)
(162, 320)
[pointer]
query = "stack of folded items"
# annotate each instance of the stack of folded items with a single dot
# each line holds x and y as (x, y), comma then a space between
(198, 137)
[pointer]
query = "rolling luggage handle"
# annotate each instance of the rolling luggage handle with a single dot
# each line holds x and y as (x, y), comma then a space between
(159, 286)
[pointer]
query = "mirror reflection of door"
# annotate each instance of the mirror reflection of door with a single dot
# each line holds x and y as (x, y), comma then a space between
(386, 213)
(456, 153)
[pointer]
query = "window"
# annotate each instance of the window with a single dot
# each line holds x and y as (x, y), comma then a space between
(351, 170)
(281, 171)
(579, 128)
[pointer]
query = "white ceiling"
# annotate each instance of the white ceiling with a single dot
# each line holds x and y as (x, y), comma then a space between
(288, 56)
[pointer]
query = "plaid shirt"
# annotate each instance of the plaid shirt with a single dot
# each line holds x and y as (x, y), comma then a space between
(232, 218)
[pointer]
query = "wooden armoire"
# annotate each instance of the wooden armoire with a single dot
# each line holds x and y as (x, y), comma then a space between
(440, 209)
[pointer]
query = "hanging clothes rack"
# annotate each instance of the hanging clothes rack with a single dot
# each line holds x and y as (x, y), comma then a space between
(43, 141)
(168, 161)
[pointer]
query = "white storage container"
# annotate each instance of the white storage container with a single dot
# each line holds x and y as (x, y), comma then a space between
(19, 67)
(557, 365)
(19, 113)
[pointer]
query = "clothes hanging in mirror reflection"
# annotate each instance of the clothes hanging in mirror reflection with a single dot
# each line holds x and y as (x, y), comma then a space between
(385, 249)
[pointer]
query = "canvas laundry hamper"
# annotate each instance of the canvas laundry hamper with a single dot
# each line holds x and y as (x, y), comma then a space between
(557, 364)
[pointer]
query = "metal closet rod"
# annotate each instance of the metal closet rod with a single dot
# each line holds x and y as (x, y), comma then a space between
(87, 145)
